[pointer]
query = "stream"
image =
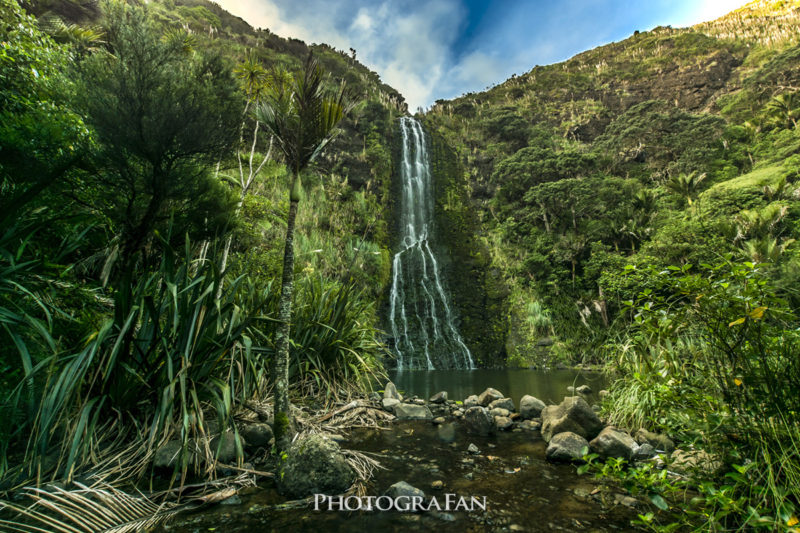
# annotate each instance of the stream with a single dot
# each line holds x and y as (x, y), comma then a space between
(523, 492)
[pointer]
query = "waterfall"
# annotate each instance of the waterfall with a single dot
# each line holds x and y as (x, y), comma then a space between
(421, 317)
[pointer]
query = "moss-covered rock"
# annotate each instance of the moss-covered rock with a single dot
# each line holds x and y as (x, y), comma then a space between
(314, 465)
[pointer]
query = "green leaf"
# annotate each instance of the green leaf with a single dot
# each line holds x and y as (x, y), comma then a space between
(659, 502)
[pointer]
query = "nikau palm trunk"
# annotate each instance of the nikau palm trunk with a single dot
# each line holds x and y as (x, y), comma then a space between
(281, 367)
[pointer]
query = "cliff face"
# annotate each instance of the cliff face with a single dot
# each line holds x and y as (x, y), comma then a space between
(613, 125)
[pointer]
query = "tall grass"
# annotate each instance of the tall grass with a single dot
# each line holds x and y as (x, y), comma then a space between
(715, 363)
(183, 349)
(335, 347)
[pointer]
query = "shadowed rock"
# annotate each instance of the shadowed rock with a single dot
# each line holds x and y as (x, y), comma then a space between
(315, 465)
(530, 407)
(478, 421)
(613, 442)
(566, 447)
(573, 415)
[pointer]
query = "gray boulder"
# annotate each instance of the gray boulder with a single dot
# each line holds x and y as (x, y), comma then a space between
(583, 389)
(530, 407)
(225, 447)
(613, 442)
(390, 391)
(477, 421)
(644, 452)
(471, 401)
(167, 455)
(530, 425)
(688, 461)
(410, 411)
(439, 397)
(503, 403)
(389, 404)
(566, 447)
(573, 415)
(403, 489)
(315, 465)
(656, 440)
(503, 422)
(499, 412)
(489, 395)
(473, 449)
(257, 435)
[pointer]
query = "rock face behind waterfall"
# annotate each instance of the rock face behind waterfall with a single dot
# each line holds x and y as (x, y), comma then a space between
(422, 319)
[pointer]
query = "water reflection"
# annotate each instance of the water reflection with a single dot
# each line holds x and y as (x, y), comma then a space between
(548, 386)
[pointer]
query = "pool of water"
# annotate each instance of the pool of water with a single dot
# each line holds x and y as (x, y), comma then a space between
(549, 386)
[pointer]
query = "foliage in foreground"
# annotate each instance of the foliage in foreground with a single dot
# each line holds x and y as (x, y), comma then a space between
(128, 307)
(711, 358)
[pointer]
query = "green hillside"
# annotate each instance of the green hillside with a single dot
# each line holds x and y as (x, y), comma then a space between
(639, 152)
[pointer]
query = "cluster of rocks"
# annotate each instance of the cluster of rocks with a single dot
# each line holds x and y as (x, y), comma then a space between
(571, 428)
(482, 414)
(252, 437)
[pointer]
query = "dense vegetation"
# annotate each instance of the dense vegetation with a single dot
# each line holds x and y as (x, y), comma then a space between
(636, 206)
(641, 201)
(144, 210)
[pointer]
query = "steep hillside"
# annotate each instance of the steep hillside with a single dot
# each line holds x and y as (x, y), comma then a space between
(643, 151)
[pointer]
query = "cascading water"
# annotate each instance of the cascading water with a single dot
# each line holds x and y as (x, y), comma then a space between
(421, 317)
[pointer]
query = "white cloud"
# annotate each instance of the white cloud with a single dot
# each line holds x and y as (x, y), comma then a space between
(409, 45)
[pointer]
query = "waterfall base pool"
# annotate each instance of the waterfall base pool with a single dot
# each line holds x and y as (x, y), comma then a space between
(548, 386)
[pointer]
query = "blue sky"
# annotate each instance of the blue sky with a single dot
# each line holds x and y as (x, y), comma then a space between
(432, 49)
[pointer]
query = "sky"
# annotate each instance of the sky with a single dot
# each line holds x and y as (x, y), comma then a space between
(440, 49)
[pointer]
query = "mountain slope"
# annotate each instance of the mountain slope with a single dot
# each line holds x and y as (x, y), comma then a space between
(574, 169)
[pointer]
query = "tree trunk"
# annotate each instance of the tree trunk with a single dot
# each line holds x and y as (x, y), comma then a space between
(281, 365)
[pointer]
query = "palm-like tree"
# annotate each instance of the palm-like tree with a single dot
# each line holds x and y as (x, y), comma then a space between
(784, 109)
(303, 119)
(686, 184)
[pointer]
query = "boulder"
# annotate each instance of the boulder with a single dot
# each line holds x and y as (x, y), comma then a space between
(573, 415)
(389, 404)
(410, 411)
(503, 403)
(583, 389)
(314, 465)
(613, 442)
(471, 401)
(530, 407)
(489, 395)
(499, 412)
(566, 447)
(503, 422)
(473, 449)
(390, 391)
(478, 421)
(530, 425)
(656, 440)
(644, 452)
(602, 394)
(439, 397)
(686, 461)
(403, 489)
(167, 455)
(439, 420)
(257, 435)
(226, 444)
